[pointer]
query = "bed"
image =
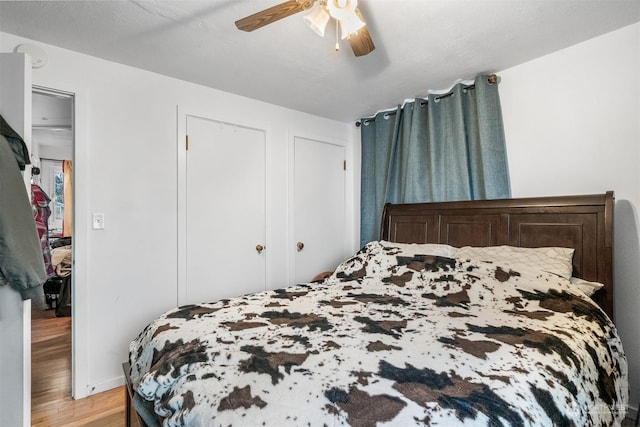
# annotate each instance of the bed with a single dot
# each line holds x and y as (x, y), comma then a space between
(464, 313)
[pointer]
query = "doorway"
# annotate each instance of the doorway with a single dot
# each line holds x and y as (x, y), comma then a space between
(52, 158)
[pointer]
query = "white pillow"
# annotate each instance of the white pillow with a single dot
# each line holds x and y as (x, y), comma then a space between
(381, 257)
(585, 286)
(411, 249)
(551, 259)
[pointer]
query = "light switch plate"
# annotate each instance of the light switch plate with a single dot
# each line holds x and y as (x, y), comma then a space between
(98, 221)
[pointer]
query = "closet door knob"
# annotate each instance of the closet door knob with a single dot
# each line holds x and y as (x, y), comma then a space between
(300, 246)
(259, 248)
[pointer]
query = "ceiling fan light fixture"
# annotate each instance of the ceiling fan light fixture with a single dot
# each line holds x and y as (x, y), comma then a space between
(342, 9)
(351, 25)
(317, 18)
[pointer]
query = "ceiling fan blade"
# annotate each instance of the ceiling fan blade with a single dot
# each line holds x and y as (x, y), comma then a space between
(361, 42)
(272, 14)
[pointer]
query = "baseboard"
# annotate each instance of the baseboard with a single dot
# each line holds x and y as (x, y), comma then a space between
(105, 385)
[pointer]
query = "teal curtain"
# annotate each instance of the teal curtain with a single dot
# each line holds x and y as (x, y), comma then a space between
(447, 147)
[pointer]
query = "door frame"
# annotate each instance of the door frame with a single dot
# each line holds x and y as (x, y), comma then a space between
(80, 211)
(15, 320)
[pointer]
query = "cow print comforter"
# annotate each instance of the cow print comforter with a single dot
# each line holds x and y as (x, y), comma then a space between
(389, 339)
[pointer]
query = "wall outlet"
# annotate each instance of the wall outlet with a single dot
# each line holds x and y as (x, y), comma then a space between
(98, 221)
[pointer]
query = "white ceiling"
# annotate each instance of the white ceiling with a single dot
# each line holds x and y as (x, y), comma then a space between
(52, 121)
(421, 45)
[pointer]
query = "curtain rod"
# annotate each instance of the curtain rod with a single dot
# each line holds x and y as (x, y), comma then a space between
(491, 79)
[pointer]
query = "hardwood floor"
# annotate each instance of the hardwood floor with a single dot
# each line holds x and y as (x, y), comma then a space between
(51, 402)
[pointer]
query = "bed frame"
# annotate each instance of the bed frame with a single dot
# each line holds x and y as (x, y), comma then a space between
(584, 223)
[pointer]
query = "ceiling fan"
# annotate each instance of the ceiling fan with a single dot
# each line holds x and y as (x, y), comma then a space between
(345, 12)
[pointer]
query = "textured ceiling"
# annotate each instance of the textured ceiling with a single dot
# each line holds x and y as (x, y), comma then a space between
(420, 44)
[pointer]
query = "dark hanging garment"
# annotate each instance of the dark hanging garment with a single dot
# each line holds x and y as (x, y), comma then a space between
(41, 213)
(21, 262)
(16, 143)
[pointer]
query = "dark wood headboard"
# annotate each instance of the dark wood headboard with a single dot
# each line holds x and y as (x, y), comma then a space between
(584, 223)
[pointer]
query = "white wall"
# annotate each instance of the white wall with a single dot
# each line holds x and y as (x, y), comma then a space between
(126, 167)
(572, 123)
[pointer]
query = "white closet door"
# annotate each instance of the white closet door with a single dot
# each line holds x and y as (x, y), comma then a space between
(319, 207)
(225, 210)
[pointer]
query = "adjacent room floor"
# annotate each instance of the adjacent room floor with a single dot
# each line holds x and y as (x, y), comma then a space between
(51, 402)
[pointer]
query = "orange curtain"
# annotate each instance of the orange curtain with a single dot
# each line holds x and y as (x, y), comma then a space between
(67, 191)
